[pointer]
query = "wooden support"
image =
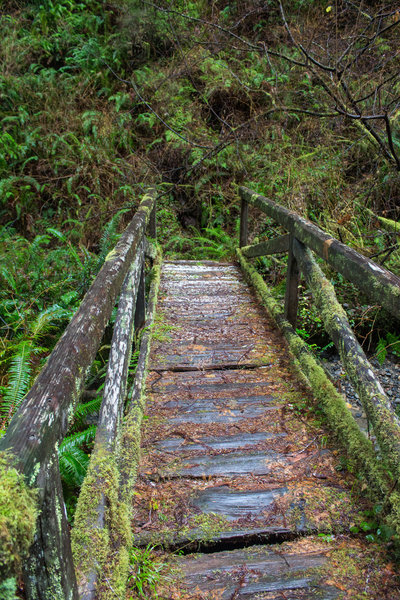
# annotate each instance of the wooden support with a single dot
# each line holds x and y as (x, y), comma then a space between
(274, 246)
(377, 406)
(51, 545)
(244, 223)
(153, 222)
(140, 314)
(377, 283)
(292, 287)
(44, 416)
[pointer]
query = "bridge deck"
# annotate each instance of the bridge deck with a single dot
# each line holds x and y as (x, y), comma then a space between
(235, 471)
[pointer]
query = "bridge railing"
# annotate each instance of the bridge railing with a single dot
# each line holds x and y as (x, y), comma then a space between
(44, 416)
(377, 283)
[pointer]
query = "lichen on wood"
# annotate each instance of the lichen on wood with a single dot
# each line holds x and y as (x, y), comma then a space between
(101, 536)
(377, 406)
(359, 449)
(376, 282)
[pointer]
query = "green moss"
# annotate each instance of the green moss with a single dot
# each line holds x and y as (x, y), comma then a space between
(359, 449)
(101, 546)
(18, 513)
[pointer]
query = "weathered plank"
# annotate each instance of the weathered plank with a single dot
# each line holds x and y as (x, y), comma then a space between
(256, 571)
(377, 283)
(274, 246)
(109, 425)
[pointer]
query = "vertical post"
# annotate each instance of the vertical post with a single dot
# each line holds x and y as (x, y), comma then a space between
(292, 286)
(244, 223)
(140, 312)
(50, 568)
(153, 222)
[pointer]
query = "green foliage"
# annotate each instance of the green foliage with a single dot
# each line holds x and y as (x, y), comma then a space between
(145, 571)
(390, 342)
(8, 589)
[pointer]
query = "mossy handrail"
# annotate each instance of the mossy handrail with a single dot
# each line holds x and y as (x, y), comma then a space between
(376, 282)
(42, 420)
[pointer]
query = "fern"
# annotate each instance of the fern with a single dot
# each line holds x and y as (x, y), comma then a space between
(73, 459)
(19, 377)
(85, 409)
(109, 238)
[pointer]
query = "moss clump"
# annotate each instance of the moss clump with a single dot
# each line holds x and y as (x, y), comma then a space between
(18, 512)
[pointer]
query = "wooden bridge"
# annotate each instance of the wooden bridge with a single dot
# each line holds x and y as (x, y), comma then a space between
(233, 471)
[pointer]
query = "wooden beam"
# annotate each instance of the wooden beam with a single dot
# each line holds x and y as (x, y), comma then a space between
(44, 416)
(108, 431)
(377, 283)
(274, 246)
(377, 406)
(244, 224)
(292, 287)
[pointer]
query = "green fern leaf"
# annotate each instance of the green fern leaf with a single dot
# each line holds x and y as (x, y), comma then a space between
(19, 376)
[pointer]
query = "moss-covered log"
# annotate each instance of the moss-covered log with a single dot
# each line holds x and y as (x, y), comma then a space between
(43, 418)
(382, 486)
(101, 536)
(109, 430)
(377, 283)
(274, 246)
(377, 406)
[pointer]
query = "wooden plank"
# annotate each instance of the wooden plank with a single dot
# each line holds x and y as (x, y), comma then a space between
(385, 422)
(377, 283)
(244, 224)
(258, 572)
(140, 312)
(274, 246)
(43, 418)
(292, 287)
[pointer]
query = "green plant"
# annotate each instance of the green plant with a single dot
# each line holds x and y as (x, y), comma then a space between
(145, 571)
(390, 342)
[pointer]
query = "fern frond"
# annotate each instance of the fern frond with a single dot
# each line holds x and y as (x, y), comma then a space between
(76, 440)
(8, 277)
(72, 459)
(43, 322)
(84, 409)
(73, 467)
(19, 376)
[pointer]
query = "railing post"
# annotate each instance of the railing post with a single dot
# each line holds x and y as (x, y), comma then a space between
(292, 286)
(51, 546)
(244, 223)
(153, 222)
(140, 312)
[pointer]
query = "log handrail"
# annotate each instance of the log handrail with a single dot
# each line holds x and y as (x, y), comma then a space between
(43, 418)
(376, 282)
